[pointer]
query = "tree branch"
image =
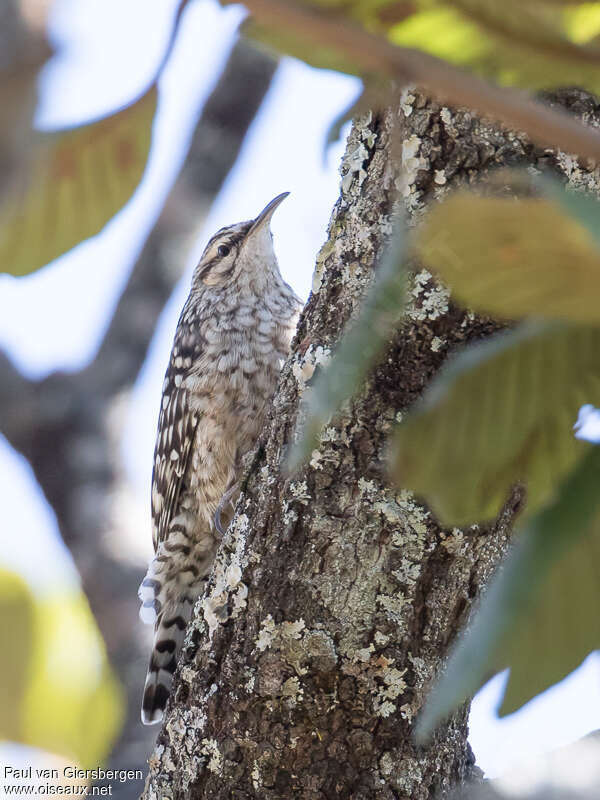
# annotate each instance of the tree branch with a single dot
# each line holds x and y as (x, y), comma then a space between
(371, 53)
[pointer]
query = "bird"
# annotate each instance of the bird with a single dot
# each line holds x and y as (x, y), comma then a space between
(233, 336)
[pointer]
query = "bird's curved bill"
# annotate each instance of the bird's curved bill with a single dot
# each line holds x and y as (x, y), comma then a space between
(267, 212)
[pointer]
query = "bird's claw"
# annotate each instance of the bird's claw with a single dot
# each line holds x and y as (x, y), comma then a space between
(217, 520)
(219, 510)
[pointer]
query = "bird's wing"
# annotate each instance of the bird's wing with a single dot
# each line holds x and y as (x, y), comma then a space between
(176, 432)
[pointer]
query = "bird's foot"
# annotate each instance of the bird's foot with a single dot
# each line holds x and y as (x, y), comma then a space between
(221, 507)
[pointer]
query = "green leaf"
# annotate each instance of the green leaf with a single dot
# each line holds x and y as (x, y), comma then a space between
(376, 16)
(54, 675)
(16, 645)
(512, 258)
(81, 178)
(70, 683)
(359, 348)
(540, 614)
(536, 44)
(501, 412)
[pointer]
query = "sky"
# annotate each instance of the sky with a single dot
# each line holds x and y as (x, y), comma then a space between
(107, 53)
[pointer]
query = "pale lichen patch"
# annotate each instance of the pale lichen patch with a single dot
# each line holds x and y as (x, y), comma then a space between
(428, 299)
(364, 654)
(412, 164)
(227, 577)
(330, 434)
(299, 492)
(210, 748)
(357, 153)
(316, 459)
(266, 633)
(255, 775)
(292, 689)
(446, 116)
(393, 605)
(303, 366)
(454, 542)
(292, 630)
(367, 488)
(407, 99)
(354, 166)
(297, 647)
(381, 639)
(250, 684)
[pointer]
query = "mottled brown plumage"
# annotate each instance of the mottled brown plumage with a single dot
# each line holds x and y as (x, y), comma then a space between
(233, 335)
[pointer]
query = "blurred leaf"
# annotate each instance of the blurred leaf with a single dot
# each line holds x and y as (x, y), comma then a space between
(286, 40)
(501, 412)
(373, 97)
(513, 258)
(375, 16)
(16, 642)
(540, 613)
(81, 178)
(327, 35)
(359, 348)
(74, 705)
(536, 44)
(358, 106)
(583, 207)
(582, 21)
(57, 691)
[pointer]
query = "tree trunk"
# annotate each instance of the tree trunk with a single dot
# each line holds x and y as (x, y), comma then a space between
(335, 596)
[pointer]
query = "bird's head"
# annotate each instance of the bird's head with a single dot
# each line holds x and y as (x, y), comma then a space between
(240, 249)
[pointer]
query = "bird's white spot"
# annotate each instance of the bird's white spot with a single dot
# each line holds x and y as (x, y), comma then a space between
(147, 615)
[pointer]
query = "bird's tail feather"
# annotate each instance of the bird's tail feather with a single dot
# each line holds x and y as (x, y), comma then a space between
(170, 621)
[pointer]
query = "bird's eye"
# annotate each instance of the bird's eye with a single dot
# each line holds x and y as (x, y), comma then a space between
(223, 250)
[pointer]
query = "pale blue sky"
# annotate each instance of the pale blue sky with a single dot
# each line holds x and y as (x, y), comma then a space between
(108, 51)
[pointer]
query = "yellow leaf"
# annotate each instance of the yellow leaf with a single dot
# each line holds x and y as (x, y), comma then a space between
(81, 178)
(536, 44)
(16, 644)
(57, 690)
(512, 258)
(73, 705)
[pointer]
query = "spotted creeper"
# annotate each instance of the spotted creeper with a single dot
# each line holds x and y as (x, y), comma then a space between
(232, 337)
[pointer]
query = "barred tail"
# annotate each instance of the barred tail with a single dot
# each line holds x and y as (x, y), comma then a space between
(170, 621)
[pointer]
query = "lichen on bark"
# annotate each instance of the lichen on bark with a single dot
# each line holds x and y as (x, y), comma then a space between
(335, 596)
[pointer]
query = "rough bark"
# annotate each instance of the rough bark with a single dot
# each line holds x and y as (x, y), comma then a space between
(335, 596)
(68, 426)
